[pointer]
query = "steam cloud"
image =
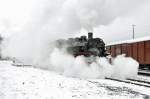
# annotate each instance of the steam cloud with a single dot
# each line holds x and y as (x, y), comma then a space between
(122, 67)
(53, 19)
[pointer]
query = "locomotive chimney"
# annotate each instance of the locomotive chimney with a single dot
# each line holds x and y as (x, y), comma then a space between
(90, 35)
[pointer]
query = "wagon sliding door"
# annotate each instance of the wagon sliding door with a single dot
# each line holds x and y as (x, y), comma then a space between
(129, 50)
(135, 51)
(141, 52)
(113, 51)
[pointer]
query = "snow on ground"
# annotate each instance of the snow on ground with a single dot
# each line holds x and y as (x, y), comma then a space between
(34, 83)
(143, 78)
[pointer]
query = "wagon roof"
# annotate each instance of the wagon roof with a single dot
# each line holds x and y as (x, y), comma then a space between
(147, 38)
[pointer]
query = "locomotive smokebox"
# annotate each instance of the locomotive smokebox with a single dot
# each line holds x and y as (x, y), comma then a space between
(90, 35)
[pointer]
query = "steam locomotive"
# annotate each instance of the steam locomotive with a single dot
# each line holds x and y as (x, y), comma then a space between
(84, 46)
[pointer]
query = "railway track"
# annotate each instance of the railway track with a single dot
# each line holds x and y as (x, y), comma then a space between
(144, 72)
(130, 81)
(133, 81)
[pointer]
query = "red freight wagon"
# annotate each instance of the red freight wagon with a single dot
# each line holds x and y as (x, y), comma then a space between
(139, 49)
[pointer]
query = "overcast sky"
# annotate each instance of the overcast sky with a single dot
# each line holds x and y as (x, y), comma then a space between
(109, 19)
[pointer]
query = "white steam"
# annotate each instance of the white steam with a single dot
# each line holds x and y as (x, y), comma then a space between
(53, 19)
(123, 67)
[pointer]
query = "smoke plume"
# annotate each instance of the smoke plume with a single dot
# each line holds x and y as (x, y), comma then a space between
(53, 19)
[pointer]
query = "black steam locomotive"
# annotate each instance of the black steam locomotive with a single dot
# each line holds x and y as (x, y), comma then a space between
(84, 46)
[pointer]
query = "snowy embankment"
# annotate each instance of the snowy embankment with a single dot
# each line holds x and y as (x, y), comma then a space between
(32, 83)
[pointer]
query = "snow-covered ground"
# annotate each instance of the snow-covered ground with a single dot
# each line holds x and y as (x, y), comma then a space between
(34, 83)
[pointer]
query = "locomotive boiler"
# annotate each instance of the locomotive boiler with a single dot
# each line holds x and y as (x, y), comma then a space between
(85, 46)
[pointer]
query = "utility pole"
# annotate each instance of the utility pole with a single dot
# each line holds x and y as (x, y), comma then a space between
(133, 27)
